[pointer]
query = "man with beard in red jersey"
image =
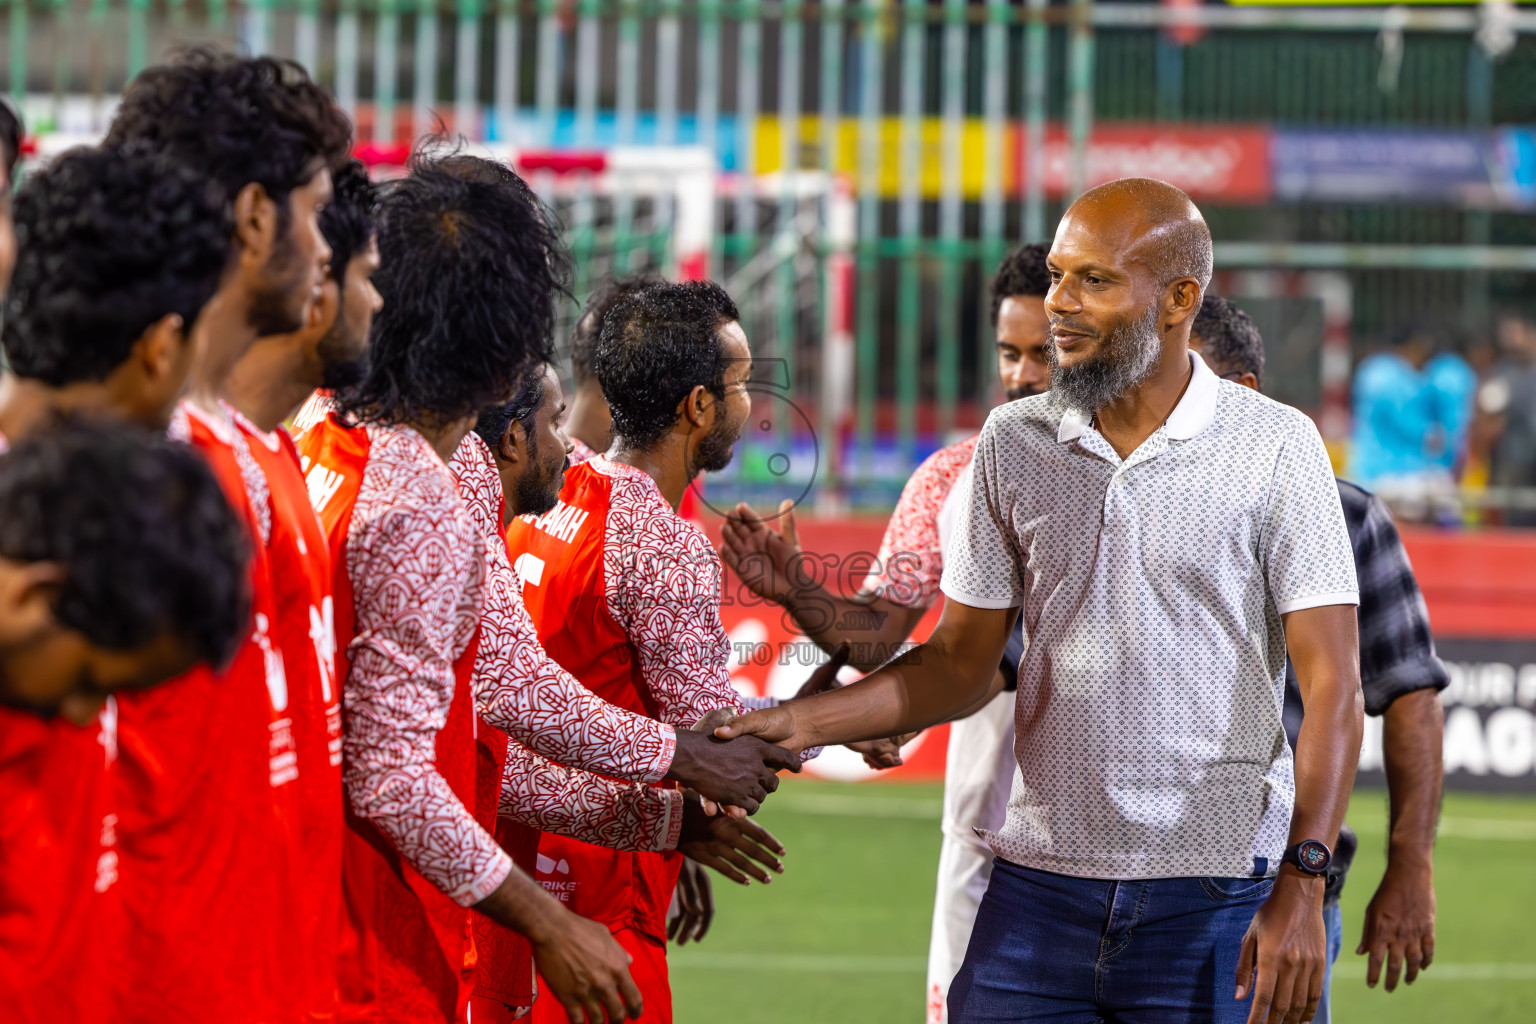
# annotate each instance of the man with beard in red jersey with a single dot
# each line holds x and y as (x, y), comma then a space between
(464, 266)
(120, 251)
(210, 762)
(519, 450)
(267, 385)
(625, 593)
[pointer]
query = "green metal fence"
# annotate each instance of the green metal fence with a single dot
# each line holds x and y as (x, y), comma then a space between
(920, 105)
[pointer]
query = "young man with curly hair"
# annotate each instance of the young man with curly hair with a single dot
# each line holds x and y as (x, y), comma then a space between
(215, 795)
(549, 731)
(121, 565)
(142, 243)
(271, 380)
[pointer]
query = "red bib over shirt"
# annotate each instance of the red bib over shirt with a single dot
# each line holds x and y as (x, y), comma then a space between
(407, 951)
(207, 768)
(300, 560)
(560, 557)
(60, 919)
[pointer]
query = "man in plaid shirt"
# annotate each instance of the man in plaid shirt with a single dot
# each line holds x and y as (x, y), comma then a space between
(1401, 678)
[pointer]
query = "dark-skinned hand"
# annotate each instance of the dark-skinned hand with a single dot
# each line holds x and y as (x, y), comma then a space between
(693, 905)
(1400, 925)
(729, 845)
(1285, 952)
(729, 772)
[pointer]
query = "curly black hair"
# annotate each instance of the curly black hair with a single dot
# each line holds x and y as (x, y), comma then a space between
(1231, 341)
(108, 242)
(148, 543)
(524, 408)
(349, 220)
(237, 119)
(657, 345)
(470, 273)
(11, 132)
(1022, 272)
(589, 325)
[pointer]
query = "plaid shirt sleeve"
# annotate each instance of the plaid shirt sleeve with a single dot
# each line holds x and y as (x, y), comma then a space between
(1397, 650)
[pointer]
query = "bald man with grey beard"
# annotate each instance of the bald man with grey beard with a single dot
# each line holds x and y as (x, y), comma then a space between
(1167, 538)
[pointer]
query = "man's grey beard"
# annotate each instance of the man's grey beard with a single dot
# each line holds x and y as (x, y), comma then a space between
(1126, 357)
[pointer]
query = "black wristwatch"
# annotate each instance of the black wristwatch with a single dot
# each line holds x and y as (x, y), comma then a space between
(1310, 856)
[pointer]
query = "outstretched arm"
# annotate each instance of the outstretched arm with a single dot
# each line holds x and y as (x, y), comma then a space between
(772, 565)
(930, 683)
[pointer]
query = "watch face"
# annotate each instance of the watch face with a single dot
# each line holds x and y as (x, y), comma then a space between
(1313, 855)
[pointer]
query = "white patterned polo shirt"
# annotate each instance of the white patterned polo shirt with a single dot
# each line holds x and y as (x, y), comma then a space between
(1149, 736)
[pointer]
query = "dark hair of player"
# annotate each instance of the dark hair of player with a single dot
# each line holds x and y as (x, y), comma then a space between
(1022, 272)
(1232, 343)
(589, 325)
(147, 541)
(348, 221)
(109, 241)
(470, 274)
(10, 138)
(657, 345)
(524, 408)
(237, 119)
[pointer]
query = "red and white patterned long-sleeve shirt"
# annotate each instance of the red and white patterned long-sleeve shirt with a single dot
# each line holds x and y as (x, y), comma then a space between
(663, 583)
(416, 562)
(911, 558)
(524, 692)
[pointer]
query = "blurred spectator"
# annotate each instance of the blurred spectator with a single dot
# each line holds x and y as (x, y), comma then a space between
(1413, 410)
(1508, 400)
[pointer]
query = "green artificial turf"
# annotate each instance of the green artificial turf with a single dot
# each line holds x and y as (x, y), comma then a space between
(842, 936)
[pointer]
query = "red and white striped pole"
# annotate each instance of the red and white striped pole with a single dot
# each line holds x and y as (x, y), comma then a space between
(836, 412)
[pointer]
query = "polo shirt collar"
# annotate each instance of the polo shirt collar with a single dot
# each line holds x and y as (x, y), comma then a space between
(1192, 415)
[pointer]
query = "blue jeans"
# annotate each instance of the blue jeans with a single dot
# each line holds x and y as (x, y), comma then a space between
(1333, 924)
(1084, 951)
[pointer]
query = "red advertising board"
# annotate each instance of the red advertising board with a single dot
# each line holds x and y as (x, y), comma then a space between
(1220, 163)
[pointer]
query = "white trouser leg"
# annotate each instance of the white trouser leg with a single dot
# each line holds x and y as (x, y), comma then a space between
(978, 775)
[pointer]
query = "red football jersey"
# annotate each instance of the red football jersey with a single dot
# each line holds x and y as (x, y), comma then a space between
(300, 561)
(207, 766)
(561, 558)
(60, 915)
(407, 951)
(60, 918)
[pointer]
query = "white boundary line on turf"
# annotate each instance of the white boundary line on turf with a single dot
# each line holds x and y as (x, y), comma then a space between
(1498, 829)
(841, 963)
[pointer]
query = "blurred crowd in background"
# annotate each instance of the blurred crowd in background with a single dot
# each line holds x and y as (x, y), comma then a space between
(1445, 428)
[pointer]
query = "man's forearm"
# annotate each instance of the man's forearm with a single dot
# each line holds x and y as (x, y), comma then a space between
(1413, 734)
(1324, 647)
(1327, 753)
(930, 683)
(874, 628)
(521, 904)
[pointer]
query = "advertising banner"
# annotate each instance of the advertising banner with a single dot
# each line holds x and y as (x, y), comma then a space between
(1486, 169)
(1217, 163)
(1235, 165)
(1490, 718)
